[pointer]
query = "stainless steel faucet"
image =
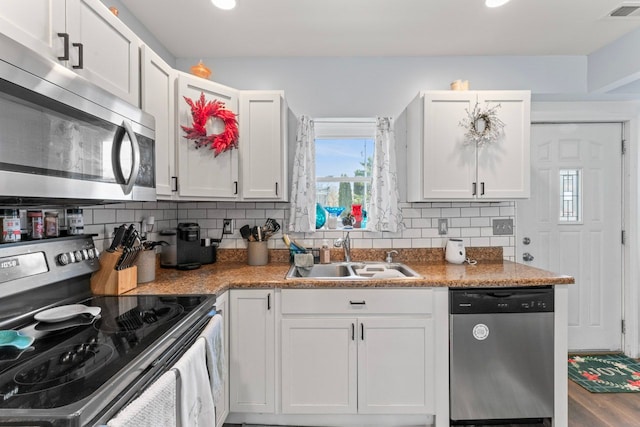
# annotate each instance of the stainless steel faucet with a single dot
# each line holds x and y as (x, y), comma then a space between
(390, 255)
(346, 246)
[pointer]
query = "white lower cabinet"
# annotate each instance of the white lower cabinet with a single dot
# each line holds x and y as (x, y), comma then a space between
(252, 354)
(395, 366)
(380, 360)
(319, 366)
(222, 406)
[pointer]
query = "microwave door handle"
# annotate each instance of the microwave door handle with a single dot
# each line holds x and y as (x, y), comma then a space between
(135, 148)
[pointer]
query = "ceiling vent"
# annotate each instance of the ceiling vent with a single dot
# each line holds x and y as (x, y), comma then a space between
(626, 10)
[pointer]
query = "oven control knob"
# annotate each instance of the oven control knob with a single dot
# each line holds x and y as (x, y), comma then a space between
(90, 253)
(63, 259)
(78, 255)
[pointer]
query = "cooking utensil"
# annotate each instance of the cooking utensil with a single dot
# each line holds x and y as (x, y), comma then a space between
(272, 225)
(245, 232)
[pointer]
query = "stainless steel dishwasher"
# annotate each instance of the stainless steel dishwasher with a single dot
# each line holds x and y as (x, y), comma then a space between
(501, 355)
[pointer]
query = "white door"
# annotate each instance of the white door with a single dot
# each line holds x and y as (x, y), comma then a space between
(200, 172)
(573, 224)
(110, 51)
(252, 353)
(158, 98)
(319, 366)
(395, 365)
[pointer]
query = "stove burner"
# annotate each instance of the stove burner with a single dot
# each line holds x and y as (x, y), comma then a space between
(66, 365)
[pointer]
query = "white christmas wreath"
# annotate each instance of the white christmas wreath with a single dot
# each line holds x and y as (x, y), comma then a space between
(483, 125)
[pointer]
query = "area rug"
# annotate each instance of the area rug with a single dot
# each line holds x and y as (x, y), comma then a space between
(606, 373)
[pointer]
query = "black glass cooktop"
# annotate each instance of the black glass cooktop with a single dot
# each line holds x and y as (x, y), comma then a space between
(69, 361)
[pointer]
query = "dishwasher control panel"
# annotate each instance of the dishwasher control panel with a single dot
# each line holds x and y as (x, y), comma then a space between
(501, 300)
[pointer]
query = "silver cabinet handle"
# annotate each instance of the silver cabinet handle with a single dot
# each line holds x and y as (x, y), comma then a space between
(363, 302)
(362, 331)
(353, 332)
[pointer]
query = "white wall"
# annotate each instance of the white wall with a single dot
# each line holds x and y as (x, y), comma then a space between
(383, 86)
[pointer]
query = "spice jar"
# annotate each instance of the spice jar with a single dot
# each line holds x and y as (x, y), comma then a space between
(75, 221)
(10, 223)
(35, 224)
(51, 224)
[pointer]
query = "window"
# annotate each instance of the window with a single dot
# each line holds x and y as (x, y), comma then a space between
(344, 159)
(570, 196)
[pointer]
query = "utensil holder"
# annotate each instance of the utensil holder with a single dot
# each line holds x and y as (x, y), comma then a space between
(108, 280)
(258, 253)
(146, 264)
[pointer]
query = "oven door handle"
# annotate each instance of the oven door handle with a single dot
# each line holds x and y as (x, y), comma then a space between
(127, 187)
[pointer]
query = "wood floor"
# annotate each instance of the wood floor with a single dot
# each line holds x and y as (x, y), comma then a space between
(598, 409)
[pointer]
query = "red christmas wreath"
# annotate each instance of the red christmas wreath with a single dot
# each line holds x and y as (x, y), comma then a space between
(202, 111)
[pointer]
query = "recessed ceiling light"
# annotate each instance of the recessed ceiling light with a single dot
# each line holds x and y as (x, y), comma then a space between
(495, 3)
(224, 4)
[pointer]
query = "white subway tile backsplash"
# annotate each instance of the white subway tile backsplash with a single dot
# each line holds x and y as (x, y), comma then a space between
(490, 211)
(450, 212)
(103, 216)
(471, 221)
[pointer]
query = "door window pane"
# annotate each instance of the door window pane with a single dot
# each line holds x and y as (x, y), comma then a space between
(570, 195)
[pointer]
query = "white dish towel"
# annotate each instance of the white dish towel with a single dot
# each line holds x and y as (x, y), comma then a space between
(213, 334)
(156, 406)
(195, 402)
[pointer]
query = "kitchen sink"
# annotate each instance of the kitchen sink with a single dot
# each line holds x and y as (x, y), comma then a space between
(353, 271)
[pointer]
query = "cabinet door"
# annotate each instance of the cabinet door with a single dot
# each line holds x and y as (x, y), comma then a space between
(35, 24)
(200, 173)
(262, 145)
(319, 366)
(449, 163)
(222, 406)
(110, 50)
(252, 363)
(395, 366)
(504, 165)
(158, 99)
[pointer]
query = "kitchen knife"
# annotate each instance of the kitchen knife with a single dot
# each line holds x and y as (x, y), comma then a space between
(127, 235)
(117, 238)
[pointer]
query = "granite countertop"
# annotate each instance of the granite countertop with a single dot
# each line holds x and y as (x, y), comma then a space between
(229, 272)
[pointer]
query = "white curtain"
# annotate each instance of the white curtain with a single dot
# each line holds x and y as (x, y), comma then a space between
(302, 217)
(384, 214)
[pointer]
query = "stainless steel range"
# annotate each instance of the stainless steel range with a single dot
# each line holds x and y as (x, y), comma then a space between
(81, 369)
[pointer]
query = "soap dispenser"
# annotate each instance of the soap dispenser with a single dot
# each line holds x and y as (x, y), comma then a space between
(325, 253)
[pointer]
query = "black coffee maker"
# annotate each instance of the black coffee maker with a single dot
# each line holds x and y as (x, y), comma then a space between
(186, 250)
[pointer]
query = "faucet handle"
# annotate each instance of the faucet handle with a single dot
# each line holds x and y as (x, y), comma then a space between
(390, 255)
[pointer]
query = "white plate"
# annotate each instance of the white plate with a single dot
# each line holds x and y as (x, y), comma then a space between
(64, 312)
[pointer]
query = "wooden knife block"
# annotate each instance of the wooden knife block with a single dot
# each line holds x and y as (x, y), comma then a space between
(108, 280)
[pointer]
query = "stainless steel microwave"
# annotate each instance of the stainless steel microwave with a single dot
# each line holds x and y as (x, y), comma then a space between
(63, 138)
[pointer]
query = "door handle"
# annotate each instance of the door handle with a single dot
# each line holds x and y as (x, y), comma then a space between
(80, 65)
(474, 189)
(135, 152)
(527, 257)
(361, 331)
(353, 332)
(65, 41)
(482, 188)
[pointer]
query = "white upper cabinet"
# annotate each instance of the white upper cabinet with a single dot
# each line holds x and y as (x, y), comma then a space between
(263, 145)
(157, 90)
(443, 165)
(35, 24)
(201, 174)
(82, 35)
(110, 51)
